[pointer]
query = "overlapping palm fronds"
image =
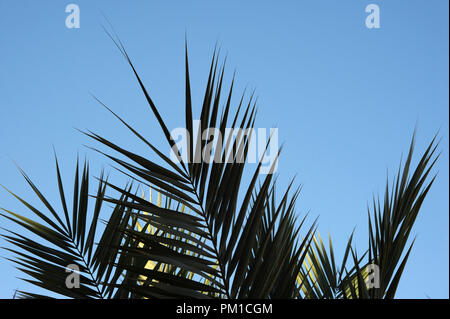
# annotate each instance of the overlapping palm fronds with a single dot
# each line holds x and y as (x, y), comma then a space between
(63, 241)
(227, 235)
(209, 234)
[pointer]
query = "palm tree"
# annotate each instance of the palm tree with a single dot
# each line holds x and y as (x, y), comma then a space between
(199, 240)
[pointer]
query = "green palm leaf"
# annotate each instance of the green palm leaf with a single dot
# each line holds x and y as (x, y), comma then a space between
(391, 223)
(209, 234)
(226, 231)
(64, 239)
(390, 226)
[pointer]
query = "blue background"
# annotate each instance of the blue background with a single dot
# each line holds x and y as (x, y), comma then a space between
(346, 99)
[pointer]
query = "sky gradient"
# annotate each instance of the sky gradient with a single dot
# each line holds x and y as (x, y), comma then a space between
(346, 99)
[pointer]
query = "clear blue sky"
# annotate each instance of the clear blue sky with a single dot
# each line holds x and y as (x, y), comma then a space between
(346, 99)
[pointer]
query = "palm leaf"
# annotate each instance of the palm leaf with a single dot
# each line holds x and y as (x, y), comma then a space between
(389, 230)
(64, 239)
(225, 231)
(390, 223)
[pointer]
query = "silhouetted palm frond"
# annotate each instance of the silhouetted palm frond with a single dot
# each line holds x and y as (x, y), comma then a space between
(391, 222)
(209, 234)
(236, 242)
(390, 225)
(63, 241)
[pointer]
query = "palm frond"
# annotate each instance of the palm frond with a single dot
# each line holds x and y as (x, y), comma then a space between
(217, 239)
(390, 223)
(65, 239)
(389, 229)
(208, 234)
